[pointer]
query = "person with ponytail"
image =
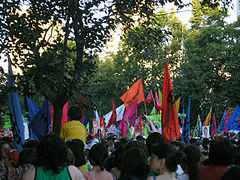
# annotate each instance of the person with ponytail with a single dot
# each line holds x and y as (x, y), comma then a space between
(191, 163)
(97, 157)
(163, 162)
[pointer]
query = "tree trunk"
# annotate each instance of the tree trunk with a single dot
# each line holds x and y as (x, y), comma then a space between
(57, 118)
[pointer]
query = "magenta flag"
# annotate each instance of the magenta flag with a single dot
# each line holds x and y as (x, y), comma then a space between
(226, 120)
(130, 116)
(214, 129)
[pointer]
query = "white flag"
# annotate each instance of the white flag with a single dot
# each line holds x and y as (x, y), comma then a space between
(120, 111)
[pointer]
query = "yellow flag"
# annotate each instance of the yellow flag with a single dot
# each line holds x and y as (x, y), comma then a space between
(177, 103)
(208, 118)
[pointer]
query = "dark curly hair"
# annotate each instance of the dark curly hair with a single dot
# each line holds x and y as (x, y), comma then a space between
(98, 155)
(75, 113)
(221, 152)
(77, 147)
(192, 160)
(52, 154)
(134, 164)
(168, 152)
(154, 138)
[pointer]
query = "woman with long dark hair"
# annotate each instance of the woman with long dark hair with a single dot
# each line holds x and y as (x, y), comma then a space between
(52, 161)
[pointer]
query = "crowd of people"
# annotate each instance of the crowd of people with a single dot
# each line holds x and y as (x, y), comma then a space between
(110, 158)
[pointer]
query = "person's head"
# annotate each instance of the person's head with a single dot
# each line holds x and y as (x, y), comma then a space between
(205, 131)
(221, 152)
(75, 113)
(163, 158)
(52, 153)
(27, 158)
(134, 164)
(98, 155)
(31, 143)
(5, 148)
(141, 139)
(154, 138)
(137, 144)
(77, 148)
(192, 160)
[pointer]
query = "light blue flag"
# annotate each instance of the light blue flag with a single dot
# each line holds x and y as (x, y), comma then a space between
(234, 121)
(15, 111)
(222, 123)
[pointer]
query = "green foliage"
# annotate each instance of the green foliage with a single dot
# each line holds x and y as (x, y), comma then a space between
(3, 90)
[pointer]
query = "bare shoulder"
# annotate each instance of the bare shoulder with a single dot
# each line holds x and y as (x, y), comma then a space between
(75, 173)
(29, 174)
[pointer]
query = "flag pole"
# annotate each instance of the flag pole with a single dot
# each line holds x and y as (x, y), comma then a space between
(145, 107)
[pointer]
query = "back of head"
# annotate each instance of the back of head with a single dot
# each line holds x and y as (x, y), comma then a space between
(98, 155)
(221, 152)
(192, 160)
(52, 153)
(27, 156)
(168, 152)
(134, 164)
(75, 113)
(77, 148)
(154, 138)
(137, 144)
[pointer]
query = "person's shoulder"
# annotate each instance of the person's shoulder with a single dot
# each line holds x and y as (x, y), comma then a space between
(29, 174)
(75, 173)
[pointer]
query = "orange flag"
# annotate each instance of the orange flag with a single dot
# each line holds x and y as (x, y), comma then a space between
(135, 92)
(170, 124)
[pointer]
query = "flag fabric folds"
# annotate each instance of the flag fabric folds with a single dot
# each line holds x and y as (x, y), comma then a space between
(234, 121)
(149, 97)
(134, 93)
(160, 95)
(30, 107)
(130, 115)
(222, 123)
(170, 124)
(65, 114)
(113, 118)
(15, 111)
(208, 118)
(158, 104)
(120, 111)
(214, 128)
(177, 103)
(186, 127)
(41, 121)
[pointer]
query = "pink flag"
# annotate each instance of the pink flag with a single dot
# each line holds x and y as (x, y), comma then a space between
(214, 129)
(158, 105)
(131, 116)
(152, 126)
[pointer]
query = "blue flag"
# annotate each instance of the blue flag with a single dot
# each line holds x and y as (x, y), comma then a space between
(186, 126)
(41, 121)
(222, 123)
(85, 121)
(234, 121)
(15, 111)
(32, 109)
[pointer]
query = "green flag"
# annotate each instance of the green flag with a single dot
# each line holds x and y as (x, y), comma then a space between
(129, 131)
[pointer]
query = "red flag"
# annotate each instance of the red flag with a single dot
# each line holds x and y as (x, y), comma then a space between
(158, 105)
(102, 122)
(113, 117)
(140, 125)
(170, 124)
(149, 97)
(135, 92)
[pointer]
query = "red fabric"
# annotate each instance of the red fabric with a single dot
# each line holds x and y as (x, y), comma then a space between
(102, 122)
(83, 116)
(65, 114)
(149, 97)
(140, 125)
(214, 130)
(14, 156)
(212, 172)
(133, 93)
(170, 124)
(113, 118)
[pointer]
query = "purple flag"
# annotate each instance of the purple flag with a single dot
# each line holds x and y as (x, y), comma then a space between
(214, 129)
